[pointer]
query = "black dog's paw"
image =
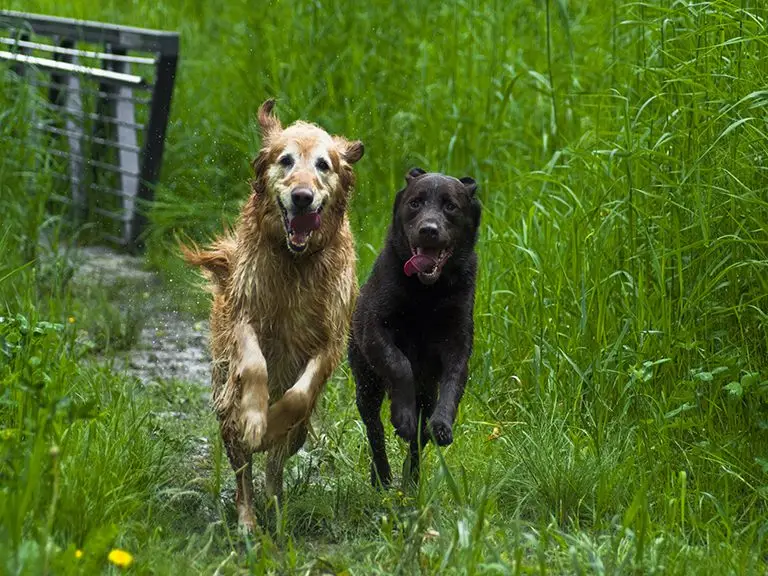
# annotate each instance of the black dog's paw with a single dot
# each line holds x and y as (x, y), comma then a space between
(381, 480)
(441, 431)
(404, 421)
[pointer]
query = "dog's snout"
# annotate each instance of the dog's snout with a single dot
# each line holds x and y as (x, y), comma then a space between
(301, 197)
(428, 231)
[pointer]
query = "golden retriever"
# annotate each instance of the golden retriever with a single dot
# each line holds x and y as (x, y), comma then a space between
(284, 287)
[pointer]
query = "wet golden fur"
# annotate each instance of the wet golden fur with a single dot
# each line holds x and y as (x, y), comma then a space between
(279, 319)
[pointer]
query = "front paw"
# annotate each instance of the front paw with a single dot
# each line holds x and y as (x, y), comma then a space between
(254, 425)
(381, 478)
(284, 414)
(441, 431)
(246, 521)
(404, 421)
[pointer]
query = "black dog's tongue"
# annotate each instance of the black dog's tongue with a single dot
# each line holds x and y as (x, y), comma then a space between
(419, 263)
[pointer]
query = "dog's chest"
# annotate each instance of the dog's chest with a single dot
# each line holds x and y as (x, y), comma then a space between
(289, 307)
(424, 324)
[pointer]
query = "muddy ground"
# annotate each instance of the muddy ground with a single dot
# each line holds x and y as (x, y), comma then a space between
(171, 345)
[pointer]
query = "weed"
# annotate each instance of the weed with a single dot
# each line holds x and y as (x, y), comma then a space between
(616, 418)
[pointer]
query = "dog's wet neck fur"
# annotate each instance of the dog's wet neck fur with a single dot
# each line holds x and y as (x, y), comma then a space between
(262, 247)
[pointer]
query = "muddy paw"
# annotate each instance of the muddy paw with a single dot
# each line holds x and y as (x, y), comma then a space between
(254, 426)
(246, 521)
(285, 414)
(441, 431)
(404, 421)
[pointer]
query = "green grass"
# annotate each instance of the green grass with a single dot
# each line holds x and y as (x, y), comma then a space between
(616, 419)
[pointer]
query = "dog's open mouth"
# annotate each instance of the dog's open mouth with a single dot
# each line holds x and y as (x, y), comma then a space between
(299, 227)
(427, 263)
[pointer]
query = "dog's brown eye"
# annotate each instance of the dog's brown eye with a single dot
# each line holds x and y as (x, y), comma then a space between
(321, 165)
(415, 203)
(450, 206)
(286, 161)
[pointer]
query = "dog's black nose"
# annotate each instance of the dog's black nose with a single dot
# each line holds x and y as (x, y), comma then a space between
(301, 197)
(428, 231)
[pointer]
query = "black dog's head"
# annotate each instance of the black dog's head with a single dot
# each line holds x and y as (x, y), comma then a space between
(435, 221)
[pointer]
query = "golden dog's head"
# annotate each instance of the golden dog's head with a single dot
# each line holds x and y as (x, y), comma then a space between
(303, 179)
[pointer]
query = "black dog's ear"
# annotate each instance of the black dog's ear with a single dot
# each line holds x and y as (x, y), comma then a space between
(396, 204)
(414, 173)
(469, 185)
(474, 202)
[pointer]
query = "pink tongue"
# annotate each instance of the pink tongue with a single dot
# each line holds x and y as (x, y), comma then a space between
(304, 223)
(419, 263)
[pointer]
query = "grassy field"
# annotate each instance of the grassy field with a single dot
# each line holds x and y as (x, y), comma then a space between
(616, 418)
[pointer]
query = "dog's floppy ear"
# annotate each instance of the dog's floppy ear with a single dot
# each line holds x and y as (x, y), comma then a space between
(414, 173)
(469, 185)
(259, 165)
(351, 152)
(396, 204)
(474, 202)
(268, 122)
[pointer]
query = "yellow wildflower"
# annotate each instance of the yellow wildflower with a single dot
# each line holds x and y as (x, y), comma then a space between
(71, 319)
(78, 554)
(120, 558)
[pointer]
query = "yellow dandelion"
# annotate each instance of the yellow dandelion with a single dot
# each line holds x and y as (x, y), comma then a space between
(71, 319)
(78, 554)
(120, 558)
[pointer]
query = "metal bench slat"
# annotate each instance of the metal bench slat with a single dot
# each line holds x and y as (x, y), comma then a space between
(58, 66)
(74, 52)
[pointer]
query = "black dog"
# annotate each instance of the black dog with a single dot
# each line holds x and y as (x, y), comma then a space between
(412, 328)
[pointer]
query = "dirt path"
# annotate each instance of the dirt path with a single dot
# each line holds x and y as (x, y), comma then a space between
(170, 345)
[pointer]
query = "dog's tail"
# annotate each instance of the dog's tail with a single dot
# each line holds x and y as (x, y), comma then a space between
(217, 261)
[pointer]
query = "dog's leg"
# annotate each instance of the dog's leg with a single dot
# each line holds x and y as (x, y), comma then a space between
(369, 394)
(426, 404)
(250, 369)
(240, 459)
(454, 378)
(278, 455)
(403, 412)
(369, 400)
(412, 464)
(389, 362)
(298, 401)
(276, 458)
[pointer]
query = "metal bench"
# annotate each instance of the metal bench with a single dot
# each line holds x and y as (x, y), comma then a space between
(107, 96)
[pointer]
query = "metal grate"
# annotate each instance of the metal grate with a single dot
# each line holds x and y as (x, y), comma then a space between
(105, 99)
